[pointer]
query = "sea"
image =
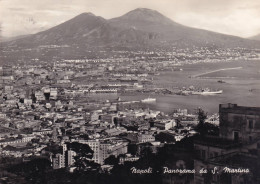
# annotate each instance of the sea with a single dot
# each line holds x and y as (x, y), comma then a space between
(240, 82)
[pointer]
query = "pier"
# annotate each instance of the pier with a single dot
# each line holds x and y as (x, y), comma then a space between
(223, 69)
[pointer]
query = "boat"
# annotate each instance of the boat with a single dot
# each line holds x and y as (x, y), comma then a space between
(207, 92)
(148, 100)
(221, 81)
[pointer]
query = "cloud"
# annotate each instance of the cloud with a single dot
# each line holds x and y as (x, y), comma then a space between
(238, 22)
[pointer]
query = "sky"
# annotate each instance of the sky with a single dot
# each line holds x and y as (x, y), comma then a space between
(233, 17)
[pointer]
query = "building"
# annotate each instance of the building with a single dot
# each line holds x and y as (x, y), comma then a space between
(43, 132)
(8, 89)
(70, 157)
(239, 123)
(28, 101)
(53, 93)
(235, 149)
(104, 148)
(64, 159)
(95, 146)
(145, 138)
(16, 141)
(128, 158)
(103, 89)
(108, 118)
(213, 147)
(232, 168)
(39, 95)
(94, 116)
(58, 161)
(6, 70)
(112, 132)
(165, 124)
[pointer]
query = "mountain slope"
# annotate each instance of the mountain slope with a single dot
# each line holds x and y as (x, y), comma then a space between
(66, 33)
(171, 32)
(7, 39)
(138, 28)
(86, 30)
(256, 37)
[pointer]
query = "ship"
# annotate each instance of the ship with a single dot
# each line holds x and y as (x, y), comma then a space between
(207, 92)
(221, 81)
(148, 100)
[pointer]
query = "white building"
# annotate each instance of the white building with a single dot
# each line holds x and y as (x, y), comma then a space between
(165, 124)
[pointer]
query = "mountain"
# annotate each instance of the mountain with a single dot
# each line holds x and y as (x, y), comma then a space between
(86, 30)
(140, 28)
(68, 32)
(256, 37)
(142, 17)
(169, 32)
(7, 39)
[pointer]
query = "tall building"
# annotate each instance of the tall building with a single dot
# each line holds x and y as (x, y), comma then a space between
(70, 157)
(58, 161)
(104, 148)
(65, 159)
(95, 146)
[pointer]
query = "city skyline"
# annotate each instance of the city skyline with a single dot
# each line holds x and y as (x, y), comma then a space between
(228, 17)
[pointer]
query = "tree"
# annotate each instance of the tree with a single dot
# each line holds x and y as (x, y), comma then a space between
(202, 116)
(83, 155)
(84, 136)
(178, 122)
(146, 150)
(35, 140)
(35, 165)
(111, 160)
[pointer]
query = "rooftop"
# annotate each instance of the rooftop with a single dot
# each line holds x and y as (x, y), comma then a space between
(235, 107)
(217, 142)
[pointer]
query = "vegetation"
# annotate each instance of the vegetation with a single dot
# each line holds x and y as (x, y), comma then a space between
(203, 127)
(83, 157)
(202, 116)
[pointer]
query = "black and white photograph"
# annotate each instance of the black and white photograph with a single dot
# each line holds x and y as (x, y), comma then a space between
(129, 92)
